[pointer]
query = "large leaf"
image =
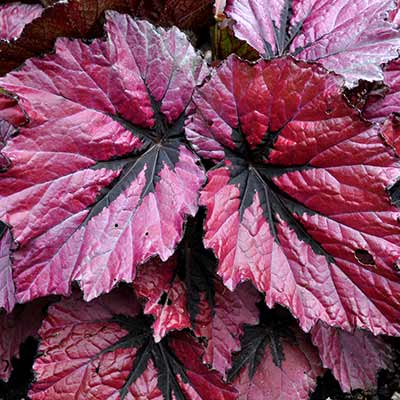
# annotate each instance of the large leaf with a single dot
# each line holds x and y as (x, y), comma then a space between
(76, 18)
(222, 325)
(298, 203)
(103, 162)
(276, 362)
(15, 328)
(90, 350)
(7, 288)
(352, 38)
(14, 17)
(354, 359)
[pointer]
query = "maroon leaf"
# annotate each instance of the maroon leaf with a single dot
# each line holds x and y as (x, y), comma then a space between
(354, 359)
(298, 203)
(351, 38)
(76, 18)
(165, 296)
(14, 17)
(222, 325)
(90, 351)
(7, 288)
(15, 328)
(276, 362)
(103, 162)
(380, 107)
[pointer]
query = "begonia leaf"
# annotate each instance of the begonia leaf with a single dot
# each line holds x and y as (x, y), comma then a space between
(97, 350)
(14, 17)
(15, 328)
(165, 296)
(351, 38)
(103, 160)
(301, 202)
(276, 362)
(354, 359)
(380, 107)
(222, 324)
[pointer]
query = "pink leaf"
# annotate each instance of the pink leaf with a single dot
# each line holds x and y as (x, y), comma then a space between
(354, 359)
(103, 350)
(277, 362)
(14, 17)
(351, 38)
(222, 325)
(299, 202)
(380, 107)
(103, 162)
(164, 294)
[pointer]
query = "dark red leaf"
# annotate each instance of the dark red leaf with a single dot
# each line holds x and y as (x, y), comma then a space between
(299, 202)
(354, 359)
(222, 325)
(351, 38)
(89, 350)
(277, 362)
(7, 288)
(14, 17)
(15, 328)
(76, 18)
(165, 297)
(103, 162)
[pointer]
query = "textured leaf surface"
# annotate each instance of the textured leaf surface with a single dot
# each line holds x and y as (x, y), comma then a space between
(380, 107)
(7, 288)
(14, 17)
(222, 325)
(15, 328)
(351, 38)
(103, 162)
(165, 296)
(354, 359)
(299, 205)
(91, 351)
(275, 363)
(76, 18)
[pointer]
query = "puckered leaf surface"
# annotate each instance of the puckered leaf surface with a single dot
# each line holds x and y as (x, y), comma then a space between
(14, 17)
(15, 328)
(222, 325)
(104, 166)
(165, 296)
(354, 359)
(76, 18)
(276, 362)
(7, 287)
(90, 350)
(351, 38)
(299, 203)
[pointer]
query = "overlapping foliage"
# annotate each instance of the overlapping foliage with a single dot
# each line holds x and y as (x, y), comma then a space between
(176, 205)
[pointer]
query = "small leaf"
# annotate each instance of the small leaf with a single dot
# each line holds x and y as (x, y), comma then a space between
(354, 359)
